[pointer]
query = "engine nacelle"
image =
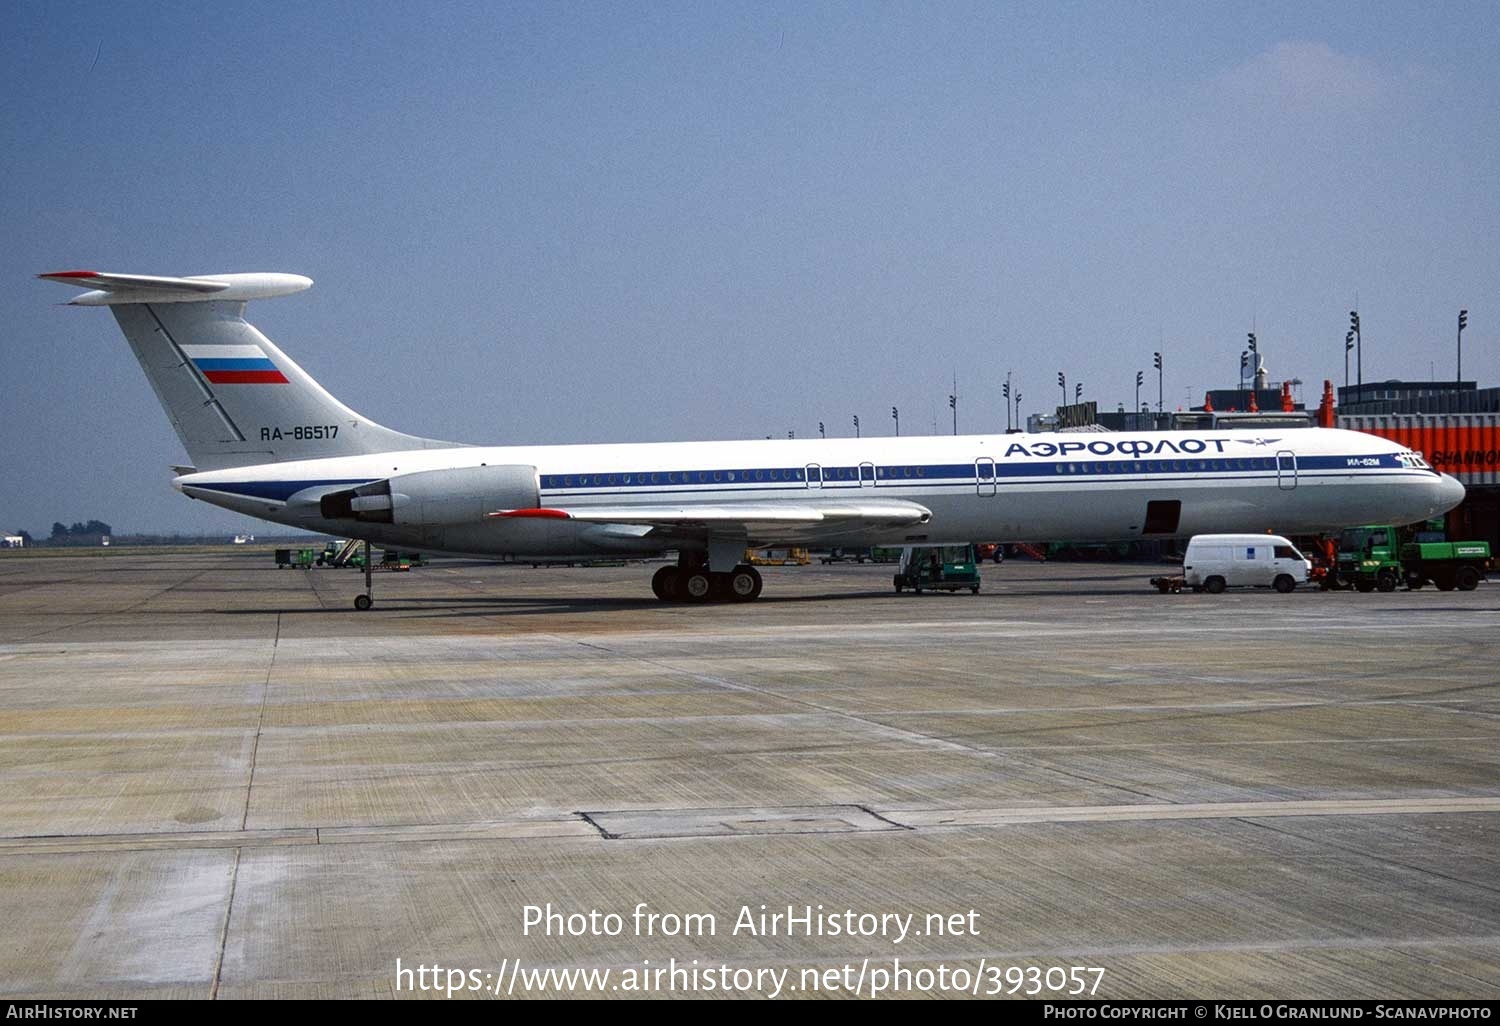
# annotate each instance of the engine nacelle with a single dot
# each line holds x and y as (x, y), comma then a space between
(436, 498)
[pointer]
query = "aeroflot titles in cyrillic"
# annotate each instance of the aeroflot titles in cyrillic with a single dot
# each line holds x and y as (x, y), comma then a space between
(1129, 447)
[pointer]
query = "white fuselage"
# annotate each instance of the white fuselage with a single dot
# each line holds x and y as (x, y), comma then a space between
(1016, 487)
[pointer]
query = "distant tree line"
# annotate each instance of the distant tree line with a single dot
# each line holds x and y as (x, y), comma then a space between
(79, 533)
(92, 532)
(96, 527)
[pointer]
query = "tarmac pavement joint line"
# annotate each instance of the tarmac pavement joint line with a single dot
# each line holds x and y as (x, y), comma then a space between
(920, 819)
(750, 821)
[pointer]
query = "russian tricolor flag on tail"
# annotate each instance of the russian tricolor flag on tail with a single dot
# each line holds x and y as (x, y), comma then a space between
(235, 365)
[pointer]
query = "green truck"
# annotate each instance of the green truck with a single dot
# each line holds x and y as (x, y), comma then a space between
(302, 558)
(1376, 558)
(938, 568)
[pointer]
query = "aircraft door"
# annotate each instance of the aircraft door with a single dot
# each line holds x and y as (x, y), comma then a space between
(814, 475)
(984, 476)
(867, 475)
(1286, 470)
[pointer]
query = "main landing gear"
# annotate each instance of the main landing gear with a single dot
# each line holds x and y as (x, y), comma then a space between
(697, 583)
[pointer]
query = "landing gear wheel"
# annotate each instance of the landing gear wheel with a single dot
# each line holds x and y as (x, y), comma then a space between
(363, 602)
(1284, 583)
(665, 584)
(1214, 585)
(1386, 580)
(1467, 578)
(696, 586)
(744, 584)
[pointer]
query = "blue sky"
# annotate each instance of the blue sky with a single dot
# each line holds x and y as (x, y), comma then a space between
(601, 222)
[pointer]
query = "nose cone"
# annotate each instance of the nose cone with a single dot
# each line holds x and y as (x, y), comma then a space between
(1449, 493)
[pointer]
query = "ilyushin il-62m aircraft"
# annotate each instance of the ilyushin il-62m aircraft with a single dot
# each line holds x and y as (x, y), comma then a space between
(268, 441)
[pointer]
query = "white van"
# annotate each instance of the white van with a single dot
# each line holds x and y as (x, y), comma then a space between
(1216, 561)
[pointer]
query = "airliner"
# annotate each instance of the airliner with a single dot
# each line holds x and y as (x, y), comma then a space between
(268, 441)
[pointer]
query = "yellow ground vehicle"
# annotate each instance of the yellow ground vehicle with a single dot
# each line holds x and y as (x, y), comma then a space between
(778, 557)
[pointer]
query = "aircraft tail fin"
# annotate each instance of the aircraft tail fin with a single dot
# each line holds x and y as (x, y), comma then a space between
(232, 395)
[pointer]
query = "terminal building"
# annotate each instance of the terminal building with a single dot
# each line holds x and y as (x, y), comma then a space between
(1454, 425)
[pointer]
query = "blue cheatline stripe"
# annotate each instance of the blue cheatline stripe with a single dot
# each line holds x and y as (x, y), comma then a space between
(966, 485)
(941, 475)
(738, 478)
(247, 364)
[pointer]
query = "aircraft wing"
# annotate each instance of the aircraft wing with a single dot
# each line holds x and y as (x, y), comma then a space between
(754, 517)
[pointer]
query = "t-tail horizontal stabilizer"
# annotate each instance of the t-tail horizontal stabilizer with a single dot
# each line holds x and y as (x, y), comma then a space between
(116, 289)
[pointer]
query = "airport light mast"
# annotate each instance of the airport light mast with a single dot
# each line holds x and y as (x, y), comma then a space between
(1463, 322)
(1157, 356)
(1359, 353)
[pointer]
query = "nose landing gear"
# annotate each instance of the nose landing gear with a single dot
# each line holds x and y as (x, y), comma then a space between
(365, 601)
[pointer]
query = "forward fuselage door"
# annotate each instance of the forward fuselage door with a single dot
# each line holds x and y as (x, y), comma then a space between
(984, 476)
(1286, 470)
